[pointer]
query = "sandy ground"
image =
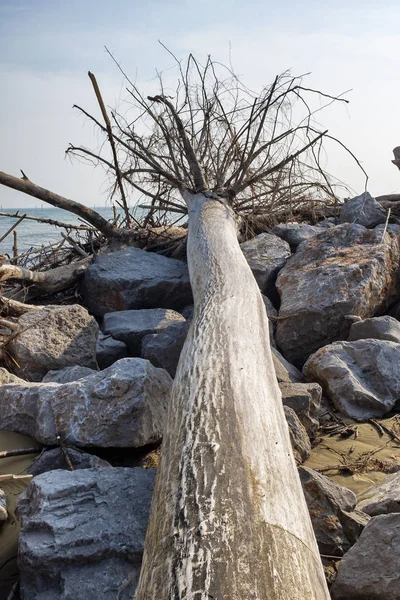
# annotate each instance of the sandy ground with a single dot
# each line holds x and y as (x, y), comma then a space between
(371, 468)
(12, 487)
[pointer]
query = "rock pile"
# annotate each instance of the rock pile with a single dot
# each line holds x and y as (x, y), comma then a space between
(103, 382)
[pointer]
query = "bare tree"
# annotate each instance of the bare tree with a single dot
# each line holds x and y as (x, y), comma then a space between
(228, 518)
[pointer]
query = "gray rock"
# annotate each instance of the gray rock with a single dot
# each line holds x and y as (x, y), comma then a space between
(108, 350)
(298, 436)
(82, 533)
(285, 372)
(296, 233)
(370, 569)
(378, 328)
(363, 210)
(3, 507)
(67, 374)
(53, 338)
(7, 377)
(361, 378)
(395, 310)
(335, 522)
(305, 400)
(130, 326)
(339, 272)
(393, 229)
(164, 349)
(272, 314)
(266, 255)
(123, 406)
(382, 499)
(52, 460)
(133, 278)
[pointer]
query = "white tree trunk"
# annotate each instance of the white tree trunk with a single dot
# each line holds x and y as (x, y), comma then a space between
(228, 518)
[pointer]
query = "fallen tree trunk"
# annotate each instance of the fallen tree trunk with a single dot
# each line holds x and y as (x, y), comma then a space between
(228, 518)
(46, 282)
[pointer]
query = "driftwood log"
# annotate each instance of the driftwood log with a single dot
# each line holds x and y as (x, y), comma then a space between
(45, 282)
(228, 518)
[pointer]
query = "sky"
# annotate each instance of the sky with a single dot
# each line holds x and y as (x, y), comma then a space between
(48, 46)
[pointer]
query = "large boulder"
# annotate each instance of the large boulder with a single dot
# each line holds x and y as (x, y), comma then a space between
(361, 378)
(54, 459)
(285, 372)
(363, 210)
(163, 349)
(370, 569)
(336, 523)
(266, 255)
(53, 338)
(108, 350)
(305, 400)
(123, 406)
(82, 533)
(134, 278)
(343, 271)
(131, 326)
(296, 233)
(383, 498)
(378, 328)
(67, 374)
(298, 436)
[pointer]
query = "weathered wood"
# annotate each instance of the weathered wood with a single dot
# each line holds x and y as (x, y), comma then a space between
(228, 518)
(47, 282)
(90, 215)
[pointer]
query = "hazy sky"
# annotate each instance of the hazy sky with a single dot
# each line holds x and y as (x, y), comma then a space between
(47, 47)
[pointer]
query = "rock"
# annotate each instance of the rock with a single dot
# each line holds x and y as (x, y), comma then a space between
(7, 377)
(187, 312)
(164, 349)
(285, 372)
(339, 272)
(370, 569)
(53, 338)
(82, 533)
(3, 507)
(296, 233)
(378, 328)
(393, 229)
(67, 374)
(305, 400)
(52, 460)
(395, 311)
(108, 350)
(130, 326)
(361, 378)
(335, 522)
(272, 314)
(123, 406)
(363, 210)
(298, 436)
(133, 279)
(266, 255)
(383, 498)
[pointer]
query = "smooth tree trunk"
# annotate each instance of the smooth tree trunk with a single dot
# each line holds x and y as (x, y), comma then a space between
(228, 518)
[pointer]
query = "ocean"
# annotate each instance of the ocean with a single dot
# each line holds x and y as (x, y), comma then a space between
(32, 234)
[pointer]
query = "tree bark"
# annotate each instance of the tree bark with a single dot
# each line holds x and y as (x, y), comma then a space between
(228, 519)
(46, 282)
(91, 216)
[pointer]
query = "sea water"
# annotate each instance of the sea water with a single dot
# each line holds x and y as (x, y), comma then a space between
(32, 234)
